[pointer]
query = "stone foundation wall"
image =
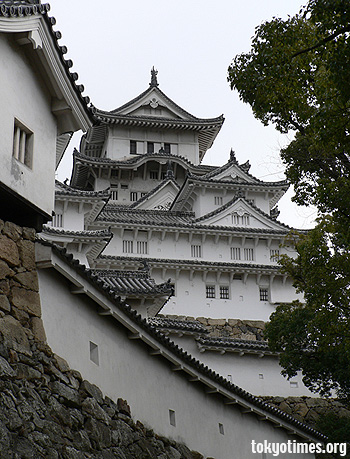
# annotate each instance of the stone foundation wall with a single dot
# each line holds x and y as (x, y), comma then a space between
(308, 409)
(47, 410)
(252, 330)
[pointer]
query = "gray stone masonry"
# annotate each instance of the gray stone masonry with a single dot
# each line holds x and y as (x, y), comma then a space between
(47, 410)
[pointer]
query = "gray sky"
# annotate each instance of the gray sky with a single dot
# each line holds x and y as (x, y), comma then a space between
(191, 43)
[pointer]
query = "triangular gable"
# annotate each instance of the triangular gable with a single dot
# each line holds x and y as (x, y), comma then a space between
(153, 102)
(232, 172)
(239, 213)
(159, 198)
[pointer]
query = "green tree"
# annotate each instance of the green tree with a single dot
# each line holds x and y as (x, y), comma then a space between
(297, 77)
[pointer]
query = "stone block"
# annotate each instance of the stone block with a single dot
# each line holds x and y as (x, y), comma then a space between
(26, 372)
(300, 409)
(92, 391)
(255, 324)
(5, 368)
(26, 300)
(202, 320)
(5, 270)
(28, 279)
(12, 231)
(70, 397)
(123, 407)
(37, 327)
(233, 322)
(216, 322)
(248, 336)
(26, 252)
(91, 407)
(9, 251)
(4, 287)
(4, 303)
(61, 364)
(14, 335)
(29, 233)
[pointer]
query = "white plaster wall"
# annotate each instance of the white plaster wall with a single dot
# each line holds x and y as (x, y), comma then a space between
(127, 370)
(23, 96)
(258, 375)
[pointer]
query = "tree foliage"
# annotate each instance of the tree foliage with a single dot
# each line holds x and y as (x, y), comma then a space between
(297, 76)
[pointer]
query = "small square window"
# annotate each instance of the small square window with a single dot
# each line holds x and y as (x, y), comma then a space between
(114, 194)
(23, 144)
(133, 196)
(128, 247)
(264, 294)
(235, 253)
(210, 291)
(248, 254)
(94, 353)
(153, 175)
(224, 292)
(261, 376)
(196, 251)
(218, 200)
(124, 186)
(274, 254)
(142, 247)
(294, 385)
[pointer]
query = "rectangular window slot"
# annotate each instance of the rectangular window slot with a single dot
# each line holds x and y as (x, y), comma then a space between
(57, 221)
(114, 194)
(133, 196)
(218, 200)
(128, 247)
(142, 247)
(172, 419)
(124, 186)
(235, 253)
(264, 294)
(274, 254)
(196, 251)
(261, 376)
(221, 429)
(23, 144)
(210, 291)
(133, 149)
(150, 147)
(94, 353)
(153, 175)
(294, 385)
(229, 378)
(167, 148)
(224, 292)
(248, 254)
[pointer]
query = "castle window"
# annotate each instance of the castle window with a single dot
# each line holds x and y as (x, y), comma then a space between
(235, 253)
(221, 429)
(274, 254)
(114, 194)
(294, 385)
(210, 291)
(235, 219)
(246, 219)
(172, 419)
(133, 147)
(23, 144)
(196, 251)
(142, 247)
(218, 200)
(248, 254)
(57, 220)
(153, 175)
(224, 292)
(128, 247)
(94, 353)
(167, 148)
(133, 196)
(264, 294)
(261, 376)
(150, 147)
(124, 186)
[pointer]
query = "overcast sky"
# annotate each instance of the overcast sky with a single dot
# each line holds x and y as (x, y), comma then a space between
(114, 45)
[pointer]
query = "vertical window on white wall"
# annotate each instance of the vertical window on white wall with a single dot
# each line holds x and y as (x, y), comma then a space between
(94, 357)
(210, 291)
(114, 194)
(274, 254)
(128, 247)
(246, 219)
(235, 253)
(133, 149)
(235, 219)
(249, 254)
(133, 196)
(172, 419)
(218, 200)
(23, 144)
(221, 429)
(57, 220)
(196, 251)
(142, 247)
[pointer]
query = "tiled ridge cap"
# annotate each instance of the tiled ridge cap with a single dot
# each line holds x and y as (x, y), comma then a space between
(184, 355)
(170, 213)
(202, 178)
(233, 342)
(66, 190)
(177, 324)
(13, 9)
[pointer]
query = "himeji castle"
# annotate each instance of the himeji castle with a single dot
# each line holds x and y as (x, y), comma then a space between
(174, 236)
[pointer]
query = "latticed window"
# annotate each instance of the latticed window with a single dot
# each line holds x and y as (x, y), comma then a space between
(246, 219)
(150, 147)
(235, 253)
(133, 196)
(142, 247)
(196, 251)
(264, 294)
(114, 194)
(210, 291)
(153, 175)
(128, 247)
(249, 254)
(22, 144)
(167, 148)
(274, 254)
(224, 292)
(57, 220)
(235, 219)
(218, 200)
